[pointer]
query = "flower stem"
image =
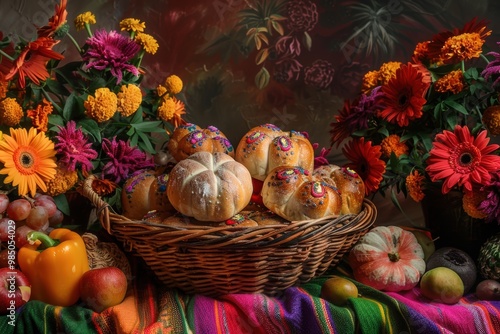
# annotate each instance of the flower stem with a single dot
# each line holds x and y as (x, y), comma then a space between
(485, 58)
(87, 28)
(74, 42)
(462, 64)
(6, 55)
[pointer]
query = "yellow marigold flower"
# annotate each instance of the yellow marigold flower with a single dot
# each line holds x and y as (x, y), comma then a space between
(173, 84)
(85, 18)
(101, 107)
(10, 112)
(491, 119)
(471, 201)
(4, 88)
(452, 82)
(462, 47)
(131, 24)
(40, 115)
(148, 42)
(387, 71)
(129, 99)
(414, 186)
(370, 81)
(63, 181)
(161, 90)
(393, 144)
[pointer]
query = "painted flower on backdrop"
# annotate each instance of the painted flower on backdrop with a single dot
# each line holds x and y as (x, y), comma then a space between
(427, 123)
(88, 116)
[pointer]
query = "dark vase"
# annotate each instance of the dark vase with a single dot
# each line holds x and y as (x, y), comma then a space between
(446, 219)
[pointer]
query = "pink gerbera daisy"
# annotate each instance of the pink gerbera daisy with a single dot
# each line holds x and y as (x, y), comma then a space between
(124, 159)
(73, 148)
(460, 159)
(111, 50)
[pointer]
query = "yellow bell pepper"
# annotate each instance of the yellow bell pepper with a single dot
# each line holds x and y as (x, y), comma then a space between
(54, 264)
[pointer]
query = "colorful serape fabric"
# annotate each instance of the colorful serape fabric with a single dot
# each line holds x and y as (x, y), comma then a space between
(151, 308)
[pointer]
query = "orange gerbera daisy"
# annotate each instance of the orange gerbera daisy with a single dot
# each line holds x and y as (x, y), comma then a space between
(365, 160)
(56, 22)
(459, 158)
(40, 115)
(32, 61)
(28, 160)
(403, 96)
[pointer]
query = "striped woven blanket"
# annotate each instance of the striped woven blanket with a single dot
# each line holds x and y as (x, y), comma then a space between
(152, 308)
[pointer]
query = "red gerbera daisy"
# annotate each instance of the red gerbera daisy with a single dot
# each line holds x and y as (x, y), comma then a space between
(55, 22)
(365, 160)
(32, 60)
(460, 159)
(403, 96)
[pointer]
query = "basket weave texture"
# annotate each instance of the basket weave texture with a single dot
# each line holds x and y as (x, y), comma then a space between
(220, 260)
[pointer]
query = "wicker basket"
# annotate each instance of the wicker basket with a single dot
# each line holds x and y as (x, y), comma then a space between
(220, 260)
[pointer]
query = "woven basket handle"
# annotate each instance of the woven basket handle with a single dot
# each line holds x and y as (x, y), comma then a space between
(101, 206)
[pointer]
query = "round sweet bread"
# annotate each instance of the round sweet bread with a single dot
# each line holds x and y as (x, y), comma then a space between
(209, 186)
(190, 138)
(347, 182)
(294, 194)
(266, 147)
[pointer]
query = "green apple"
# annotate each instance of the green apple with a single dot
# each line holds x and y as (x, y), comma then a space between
(425, 241)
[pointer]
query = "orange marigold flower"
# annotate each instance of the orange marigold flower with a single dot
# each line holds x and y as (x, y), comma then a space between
(370, 81)
(148, 42)
(4, 88)
(103, 187)
(452, 82)
(101, 107)
(173, 84)
(63, 181)
(491, 119)
(393, 144)
(462, 47)
(161, 90)
(388, 71)
(414, 186)
(471, 201)
(11, 112)
(129, 99)
(40, 115)
(420, 54)
(171, 110)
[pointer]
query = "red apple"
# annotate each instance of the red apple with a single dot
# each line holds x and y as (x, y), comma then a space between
(15, 291)
(103, 287)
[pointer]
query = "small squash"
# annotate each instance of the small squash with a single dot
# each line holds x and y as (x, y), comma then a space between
(388, 258)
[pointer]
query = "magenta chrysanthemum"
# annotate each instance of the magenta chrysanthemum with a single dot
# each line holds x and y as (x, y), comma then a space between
(73, 148)
(111, 51)
(459, 158)
(491, 205)
(124, 159)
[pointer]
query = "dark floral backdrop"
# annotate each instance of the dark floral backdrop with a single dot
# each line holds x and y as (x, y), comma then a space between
(205, 43)
(287, 62)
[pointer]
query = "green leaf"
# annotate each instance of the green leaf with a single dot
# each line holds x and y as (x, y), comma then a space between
(146, 143)
(150, 126)
(68, 107)
(457, 106)
(62, 204)
(90, 127)
(262, 78)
